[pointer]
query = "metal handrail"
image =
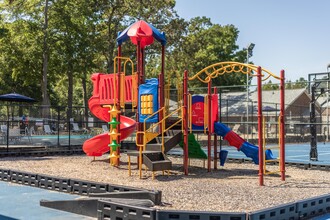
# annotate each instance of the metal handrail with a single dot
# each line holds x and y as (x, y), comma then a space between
(172, 125)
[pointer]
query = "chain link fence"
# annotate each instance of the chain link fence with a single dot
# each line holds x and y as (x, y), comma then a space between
(241, 114)
(25, 127)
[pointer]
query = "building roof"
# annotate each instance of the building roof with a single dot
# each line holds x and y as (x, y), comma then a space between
(273, 96)
(236, 101)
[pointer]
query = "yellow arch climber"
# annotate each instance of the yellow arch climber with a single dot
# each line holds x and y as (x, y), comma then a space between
(217, 69)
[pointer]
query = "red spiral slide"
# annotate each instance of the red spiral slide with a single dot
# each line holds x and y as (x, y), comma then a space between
(98, 145)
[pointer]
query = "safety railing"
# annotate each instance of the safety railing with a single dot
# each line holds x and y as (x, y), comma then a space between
(167, 98)
(123, 87)
(277, 147)
(160, 126)
(177, 111)
(190, 112)
(134, 90)
(145, 130)
(179, 93)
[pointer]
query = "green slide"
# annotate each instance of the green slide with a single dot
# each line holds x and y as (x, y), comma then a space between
(194, 148)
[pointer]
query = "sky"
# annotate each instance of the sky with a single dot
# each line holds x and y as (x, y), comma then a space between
(293, 35)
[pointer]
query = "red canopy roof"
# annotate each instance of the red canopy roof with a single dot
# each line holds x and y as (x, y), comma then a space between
(141, 31)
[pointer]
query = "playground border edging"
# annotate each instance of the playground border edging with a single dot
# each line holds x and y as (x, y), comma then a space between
(74, 186)
(199, 215)
(285, 211)
(54, 183)
(313, 206)
(114, 210)
(5, 175)
(302, 209)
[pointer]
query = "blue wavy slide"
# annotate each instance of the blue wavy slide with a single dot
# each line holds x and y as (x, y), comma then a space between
(235, 140)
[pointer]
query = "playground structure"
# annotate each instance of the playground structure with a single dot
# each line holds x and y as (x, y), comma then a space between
(147, 97)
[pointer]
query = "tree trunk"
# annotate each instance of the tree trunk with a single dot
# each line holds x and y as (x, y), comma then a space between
(45, 111)
(70, 92)
(85, 96)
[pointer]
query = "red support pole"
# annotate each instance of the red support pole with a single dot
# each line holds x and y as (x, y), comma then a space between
(260, 129)
(162, 87)
(138, 61)
(215, 142)
(139, 82)
(209, 112)
(282, 127)
(142, 78)
(118, 74)
(118, 99)
(185, 122)
(142, 64)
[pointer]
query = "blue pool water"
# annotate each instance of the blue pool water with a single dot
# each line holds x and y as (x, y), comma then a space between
(22, 202)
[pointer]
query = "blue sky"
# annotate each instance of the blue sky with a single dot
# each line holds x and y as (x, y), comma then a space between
(293, 35)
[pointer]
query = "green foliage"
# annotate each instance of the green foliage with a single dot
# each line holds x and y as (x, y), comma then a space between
(299, 84)
(270, 86)
(80, 38)
(19, 57)
(203, 44)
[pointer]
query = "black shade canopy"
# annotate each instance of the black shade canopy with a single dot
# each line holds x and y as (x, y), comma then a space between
(14, 97)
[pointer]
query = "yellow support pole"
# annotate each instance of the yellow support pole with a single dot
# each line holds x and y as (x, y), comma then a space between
(113, 134)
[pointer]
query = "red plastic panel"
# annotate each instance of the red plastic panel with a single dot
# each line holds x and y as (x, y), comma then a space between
(104, 88)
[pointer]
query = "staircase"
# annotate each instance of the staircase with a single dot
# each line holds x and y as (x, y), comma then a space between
(171, 139)
(155, 145)
(153, 157)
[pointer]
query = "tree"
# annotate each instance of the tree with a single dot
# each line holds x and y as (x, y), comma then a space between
(299, 84)
(204, 44)
(45, 56)
(20, 48)
(270, 86)
(49, 48)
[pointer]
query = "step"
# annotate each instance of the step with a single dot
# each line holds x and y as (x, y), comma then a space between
(153, 147)
(156, 161)
(172, 132)
(175, 139)
(159, 139)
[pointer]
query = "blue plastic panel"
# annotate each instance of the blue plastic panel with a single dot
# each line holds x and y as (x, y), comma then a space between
(149, 88)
